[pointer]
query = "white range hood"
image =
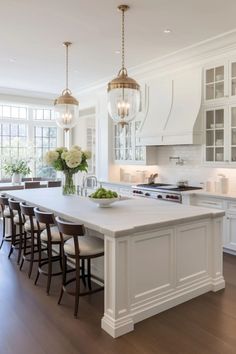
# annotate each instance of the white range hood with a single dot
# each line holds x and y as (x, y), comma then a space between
(172, 110)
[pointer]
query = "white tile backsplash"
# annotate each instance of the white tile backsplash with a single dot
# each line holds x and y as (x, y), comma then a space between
(193, 169)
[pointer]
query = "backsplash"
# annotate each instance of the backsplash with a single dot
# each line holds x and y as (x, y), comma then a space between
(192, 169)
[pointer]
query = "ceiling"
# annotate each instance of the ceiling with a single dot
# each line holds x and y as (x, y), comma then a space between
(32, 57)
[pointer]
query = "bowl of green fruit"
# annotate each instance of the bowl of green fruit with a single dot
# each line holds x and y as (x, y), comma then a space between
(104, 197)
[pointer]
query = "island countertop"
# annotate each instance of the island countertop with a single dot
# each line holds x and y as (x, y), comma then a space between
(124, 217)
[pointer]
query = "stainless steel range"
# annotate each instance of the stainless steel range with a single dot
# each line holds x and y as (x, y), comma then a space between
(167, 192)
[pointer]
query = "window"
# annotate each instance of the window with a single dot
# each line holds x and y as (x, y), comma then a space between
(45, 138)
(27, 132)
(13, 139)
(43, 114)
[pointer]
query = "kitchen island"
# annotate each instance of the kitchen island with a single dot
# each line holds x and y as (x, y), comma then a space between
(157, 254)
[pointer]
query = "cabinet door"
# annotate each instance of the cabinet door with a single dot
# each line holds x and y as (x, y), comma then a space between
(215, 82)
(232, 78)
(230, 241)
(232, 133)
(215, 135)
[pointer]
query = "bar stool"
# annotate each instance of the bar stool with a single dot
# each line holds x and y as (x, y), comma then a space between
(6, 215)
(54, 184)
(17, 220)
(30, 229)
(79, 247)
(51, 237)
(32, 185)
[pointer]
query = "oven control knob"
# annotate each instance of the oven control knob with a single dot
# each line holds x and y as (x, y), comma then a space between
(159, 196)
(167, 197)
(147, 194)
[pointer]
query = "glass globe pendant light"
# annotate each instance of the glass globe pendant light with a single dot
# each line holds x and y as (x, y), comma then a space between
(123, 92)
(66, 107)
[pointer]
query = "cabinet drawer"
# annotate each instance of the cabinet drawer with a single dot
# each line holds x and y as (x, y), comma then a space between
(210, 203)
(231, 206)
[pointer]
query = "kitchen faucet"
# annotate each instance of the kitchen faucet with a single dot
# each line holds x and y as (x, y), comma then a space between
(94, 183)
(179, 161)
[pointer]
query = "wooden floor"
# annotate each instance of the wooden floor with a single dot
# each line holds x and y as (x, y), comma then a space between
(32, 323)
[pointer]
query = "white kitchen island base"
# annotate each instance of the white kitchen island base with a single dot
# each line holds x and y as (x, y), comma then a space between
(157, 254)
(154, 271)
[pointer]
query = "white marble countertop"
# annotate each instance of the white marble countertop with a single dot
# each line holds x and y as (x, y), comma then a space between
(124, 217)
(118, 183)
(231, 195)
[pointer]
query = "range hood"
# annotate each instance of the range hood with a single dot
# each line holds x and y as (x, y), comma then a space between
(172, 115)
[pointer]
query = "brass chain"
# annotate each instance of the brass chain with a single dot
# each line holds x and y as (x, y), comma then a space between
(123, 40)
(67, 71)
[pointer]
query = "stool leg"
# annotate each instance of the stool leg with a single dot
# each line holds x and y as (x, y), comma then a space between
(24, 250)
(83, 272)
(89, 274)
(77, 287)
(13, 238)
(31, 254)
(64, 270)
(3, 230)
(40, 255)
(20, 245)
(49, 268)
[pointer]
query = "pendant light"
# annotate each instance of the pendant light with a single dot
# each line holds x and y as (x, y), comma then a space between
(123, 91)
(66, 107)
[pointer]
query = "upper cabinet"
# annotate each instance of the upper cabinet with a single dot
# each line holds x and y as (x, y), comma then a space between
(215, 82)
(174, 104)
(125, 147)
(220, 82)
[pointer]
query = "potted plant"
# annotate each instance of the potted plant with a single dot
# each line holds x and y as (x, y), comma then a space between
(17, 169)
(69, 162)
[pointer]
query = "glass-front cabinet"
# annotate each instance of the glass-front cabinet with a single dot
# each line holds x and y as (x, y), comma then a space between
(220, 135)
(125, 148)
(233, 78)
(215, 135)
(233, 133)
(215, 82)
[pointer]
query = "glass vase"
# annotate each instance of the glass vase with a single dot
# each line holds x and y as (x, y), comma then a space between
(68, 183)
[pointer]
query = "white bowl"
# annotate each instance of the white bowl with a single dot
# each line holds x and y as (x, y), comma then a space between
(104, 202)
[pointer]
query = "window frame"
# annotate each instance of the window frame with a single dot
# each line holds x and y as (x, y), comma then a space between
(31, 123)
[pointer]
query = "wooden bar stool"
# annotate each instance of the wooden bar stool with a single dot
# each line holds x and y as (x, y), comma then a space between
(51, 237)
(17, 220)
(79, 247)
(54, 184)
(30, 230)
(6, 215)
(32, 185)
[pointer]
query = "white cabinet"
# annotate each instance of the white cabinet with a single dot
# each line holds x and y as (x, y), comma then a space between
(230, 242)
(216, 82)
(215, 139)
(229, 223)
(127, 151)
(220, 134)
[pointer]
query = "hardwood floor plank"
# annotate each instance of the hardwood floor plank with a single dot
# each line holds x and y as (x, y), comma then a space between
(32, 322)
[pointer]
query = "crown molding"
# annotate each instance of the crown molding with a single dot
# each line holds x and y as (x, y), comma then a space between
(197, 54)
(23, 96)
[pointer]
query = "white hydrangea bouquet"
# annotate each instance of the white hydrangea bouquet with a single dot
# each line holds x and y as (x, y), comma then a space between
(69, 162)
